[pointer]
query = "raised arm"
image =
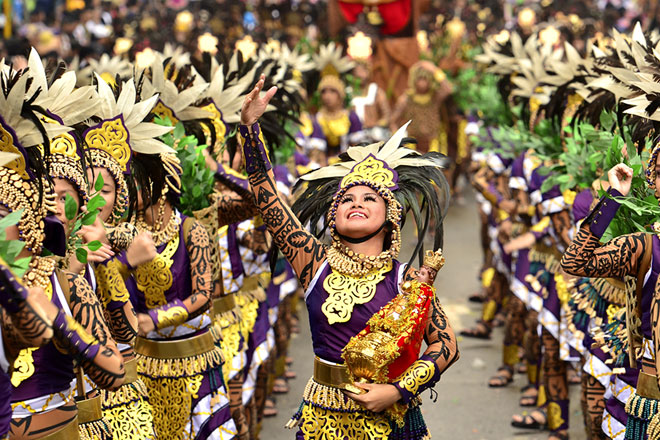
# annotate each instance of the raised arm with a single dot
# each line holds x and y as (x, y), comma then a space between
(622, 255)
(303, 251)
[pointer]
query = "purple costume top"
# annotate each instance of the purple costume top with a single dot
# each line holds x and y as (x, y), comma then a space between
(53, 370)
(180, 269)
(328, 339)
(180, 289)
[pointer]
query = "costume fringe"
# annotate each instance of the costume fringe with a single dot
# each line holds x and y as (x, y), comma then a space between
(174, 368)
(642, 416)
(95, 430)
(127, 393)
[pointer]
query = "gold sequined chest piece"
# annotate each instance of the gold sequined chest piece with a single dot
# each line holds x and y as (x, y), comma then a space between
(155, 278)
(345, 292)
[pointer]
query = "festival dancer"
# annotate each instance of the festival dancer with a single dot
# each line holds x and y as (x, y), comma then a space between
(177, 358)
(365, 212)
(627, 255)
(424, 103)
(42, 395)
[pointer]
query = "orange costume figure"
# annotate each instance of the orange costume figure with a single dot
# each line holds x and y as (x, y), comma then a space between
(424, 104)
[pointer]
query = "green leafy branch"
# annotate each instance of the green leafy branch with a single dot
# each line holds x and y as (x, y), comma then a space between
(11, 249)
(197, 180)
(83, 218)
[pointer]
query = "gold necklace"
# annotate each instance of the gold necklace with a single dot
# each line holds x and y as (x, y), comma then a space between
(350, 263)
(159, 234)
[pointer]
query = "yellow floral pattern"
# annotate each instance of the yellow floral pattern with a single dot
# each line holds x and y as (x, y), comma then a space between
(345, 292)
(111, 136)
(417, 375)
(155, 278)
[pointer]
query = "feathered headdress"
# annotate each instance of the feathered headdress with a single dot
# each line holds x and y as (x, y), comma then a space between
(107, 67)
(24, 178)
(414, 182)
(122, 132)
(176, 103)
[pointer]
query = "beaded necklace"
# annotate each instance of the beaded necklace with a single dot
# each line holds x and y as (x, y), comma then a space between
(159, 234)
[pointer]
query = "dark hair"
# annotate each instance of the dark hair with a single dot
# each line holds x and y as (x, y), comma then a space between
(149, 178)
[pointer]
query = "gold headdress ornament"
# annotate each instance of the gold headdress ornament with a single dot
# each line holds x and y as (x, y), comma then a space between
(434, 260)
(20, 188)
(359, 47)
(172, 103)
(332, 65)
(107, 67)
(247, 47)
(401, 176)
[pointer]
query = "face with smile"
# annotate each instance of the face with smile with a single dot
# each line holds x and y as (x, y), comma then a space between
(360, 212)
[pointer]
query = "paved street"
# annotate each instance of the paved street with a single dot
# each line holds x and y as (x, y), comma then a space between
(466, 408)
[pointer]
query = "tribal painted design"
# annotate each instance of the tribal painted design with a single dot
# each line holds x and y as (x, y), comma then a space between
(305, 253)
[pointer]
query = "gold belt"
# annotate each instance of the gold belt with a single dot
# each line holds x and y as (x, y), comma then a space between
(335, 376)
(89, 410)
(181, 348)
(250, 283)
(647, 386)
(130, 368)
(224, 304)
(67, 432)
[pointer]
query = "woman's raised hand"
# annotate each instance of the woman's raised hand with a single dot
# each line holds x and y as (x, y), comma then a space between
(254, 105)
(620, 178)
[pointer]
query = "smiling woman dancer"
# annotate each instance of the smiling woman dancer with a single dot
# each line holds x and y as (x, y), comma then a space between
(348, 282)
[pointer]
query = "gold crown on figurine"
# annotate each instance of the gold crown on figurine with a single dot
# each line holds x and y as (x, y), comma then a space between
(434, 260)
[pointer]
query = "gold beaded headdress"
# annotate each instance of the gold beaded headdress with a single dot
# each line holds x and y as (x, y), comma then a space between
(21, 186)
(122, 132)
(405, 179)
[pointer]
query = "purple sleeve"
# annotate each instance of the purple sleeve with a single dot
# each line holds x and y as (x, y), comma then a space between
(581, 204)
(12, 292)
(420, 376)
(356, 125)
(601, 216)
(231, 177)
(254, 149)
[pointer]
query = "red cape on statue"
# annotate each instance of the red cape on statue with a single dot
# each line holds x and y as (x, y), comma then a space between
(395, 14)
